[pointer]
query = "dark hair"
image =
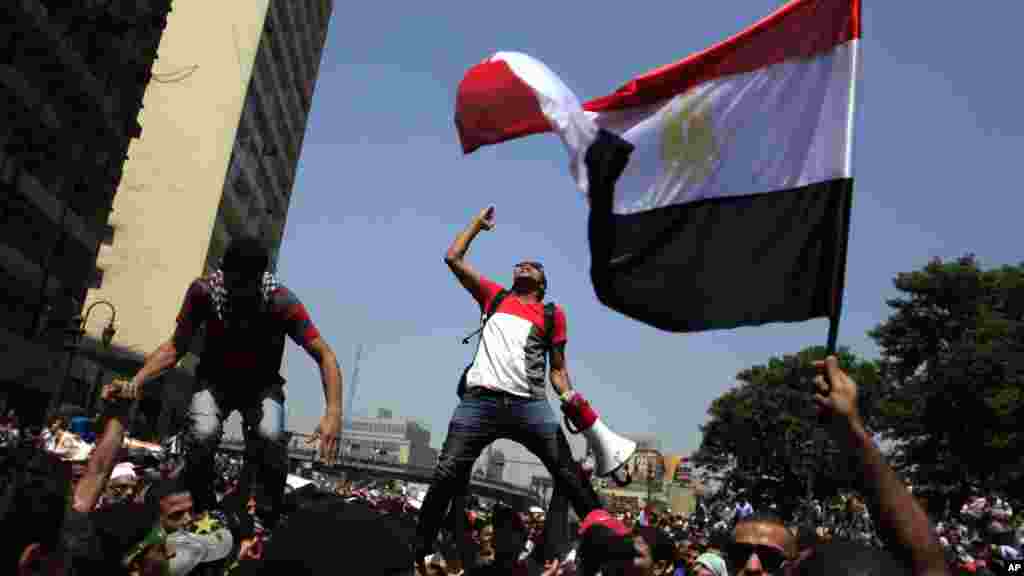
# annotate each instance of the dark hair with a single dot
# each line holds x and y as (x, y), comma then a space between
(34, 491)
(806, 537)
(602, 550)
(246, 255)
(763, 517)
(118, 530)
(850, 559)
(505, 517)
(163, 489)
(661, 545)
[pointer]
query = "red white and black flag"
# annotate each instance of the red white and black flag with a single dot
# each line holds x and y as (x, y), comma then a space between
(730, 205)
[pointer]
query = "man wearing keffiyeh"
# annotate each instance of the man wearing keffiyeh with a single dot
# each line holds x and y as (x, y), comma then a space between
(244, 313)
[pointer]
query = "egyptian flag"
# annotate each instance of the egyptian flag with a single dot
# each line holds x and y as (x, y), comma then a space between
(720, 185)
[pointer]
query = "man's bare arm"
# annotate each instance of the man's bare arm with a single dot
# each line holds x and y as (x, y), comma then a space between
(101, 462)
(455, 257)
(901, 520)
(559, 371)
(163, 358)
(330, 374)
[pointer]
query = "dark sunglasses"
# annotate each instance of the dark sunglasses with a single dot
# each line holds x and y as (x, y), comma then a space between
(536, 265)
(771, 559)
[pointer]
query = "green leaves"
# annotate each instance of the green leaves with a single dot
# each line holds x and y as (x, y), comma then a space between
(947, 392)
(766, 425)
(951, 352)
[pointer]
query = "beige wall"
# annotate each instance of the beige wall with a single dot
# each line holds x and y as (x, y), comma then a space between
(166, 206)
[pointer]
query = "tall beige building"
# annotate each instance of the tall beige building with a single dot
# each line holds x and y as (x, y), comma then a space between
(222, 128)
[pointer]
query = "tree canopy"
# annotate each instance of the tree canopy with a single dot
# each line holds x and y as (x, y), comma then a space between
(951, 354)
(947, 394)
(765, 429)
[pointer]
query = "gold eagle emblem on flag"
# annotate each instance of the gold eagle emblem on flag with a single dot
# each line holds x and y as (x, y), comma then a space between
(689, 149)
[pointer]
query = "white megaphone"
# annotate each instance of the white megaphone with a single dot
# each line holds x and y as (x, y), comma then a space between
(611, 451)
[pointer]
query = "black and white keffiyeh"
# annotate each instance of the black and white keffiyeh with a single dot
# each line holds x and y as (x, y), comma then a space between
(219, 292)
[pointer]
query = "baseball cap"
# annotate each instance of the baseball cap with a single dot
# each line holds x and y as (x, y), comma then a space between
(206, 540)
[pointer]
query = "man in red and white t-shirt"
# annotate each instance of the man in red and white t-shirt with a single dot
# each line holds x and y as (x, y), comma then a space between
(505, 395)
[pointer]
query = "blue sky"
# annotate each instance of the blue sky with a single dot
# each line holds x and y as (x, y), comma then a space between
(383, 187)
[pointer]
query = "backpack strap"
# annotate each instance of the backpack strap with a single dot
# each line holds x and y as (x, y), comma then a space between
(495, 302)
(491, 309)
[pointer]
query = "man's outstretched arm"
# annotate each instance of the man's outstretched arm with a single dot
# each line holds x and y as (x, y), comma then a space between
(455, 257)
(104, 456)
(168, 354)
(901, 520)
(329, 430)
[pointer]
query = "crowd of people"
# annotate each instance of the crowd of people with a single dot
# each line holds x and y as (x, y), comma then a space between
(131, 513)
(81, 497)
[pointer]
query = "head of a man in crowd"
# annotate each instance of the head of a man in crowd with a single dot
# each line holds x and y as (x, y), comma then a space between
(35, 490)
(57, 424)
(848, 559)
(656, 550)
(173, 502)
(528, 277)
(758, 545)
(613, 552)
(245, 261)
(137, 534)
(131, 542)
(510, 532)
(709, 564)
(122, 484)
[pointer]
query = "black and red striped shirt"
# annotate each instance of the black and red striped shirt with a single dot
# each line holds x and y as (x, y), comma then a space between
(252, 348)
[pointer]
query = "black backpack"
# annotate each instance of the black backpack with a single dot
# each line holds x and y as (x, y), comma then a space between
(549, 328)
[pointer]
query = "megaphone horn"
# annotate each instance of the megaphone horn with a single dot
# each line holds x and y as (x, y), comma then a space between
(611, 451)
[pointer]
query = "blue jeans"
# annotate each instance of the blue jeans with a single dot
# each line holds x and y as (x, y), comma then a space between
(263, 425)
(481, 418)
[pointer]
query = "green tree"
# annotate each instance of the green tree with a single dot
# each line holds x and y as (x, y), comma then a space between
(952, 356)
(767, 426)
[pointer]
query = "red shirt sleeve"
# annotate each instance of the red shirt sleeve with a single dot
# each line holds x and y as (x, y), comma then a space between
(194, 311)
(561, 334)
(297, 323)
(488, 290)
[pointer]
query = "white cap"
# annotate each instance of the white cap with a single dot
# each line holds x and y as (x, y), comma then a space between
(536, 510)
(123, 471)
(296, 482)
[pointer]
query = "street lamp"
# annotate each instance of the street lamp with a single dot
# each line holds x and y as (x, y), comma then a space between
(74, 332)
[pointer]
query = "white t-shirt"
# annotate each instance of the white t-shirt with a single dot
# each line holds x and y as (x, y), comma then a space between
(512, 357)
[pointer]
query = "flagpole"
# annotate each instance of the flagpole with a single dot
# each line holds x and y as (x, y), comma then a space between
(843, 217)
(833, 335)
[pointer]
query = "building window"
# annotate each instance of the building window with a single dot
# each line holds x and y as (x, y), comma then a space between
(96, 281)
(242, 188)
(108, 235)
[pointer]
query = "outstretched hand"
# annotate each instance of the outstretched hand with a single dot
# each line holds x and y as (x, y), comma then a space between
(328, 432)
(486, 218)
(120, 388)
(835, 392)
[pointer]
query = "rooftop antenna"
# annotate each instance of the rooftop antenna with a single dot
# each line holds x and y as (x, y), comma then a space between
(352, 389)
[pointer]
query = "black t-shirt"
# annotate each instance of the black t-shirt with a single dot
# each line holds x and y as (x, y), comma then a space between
(99, 540)
(80, 538)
